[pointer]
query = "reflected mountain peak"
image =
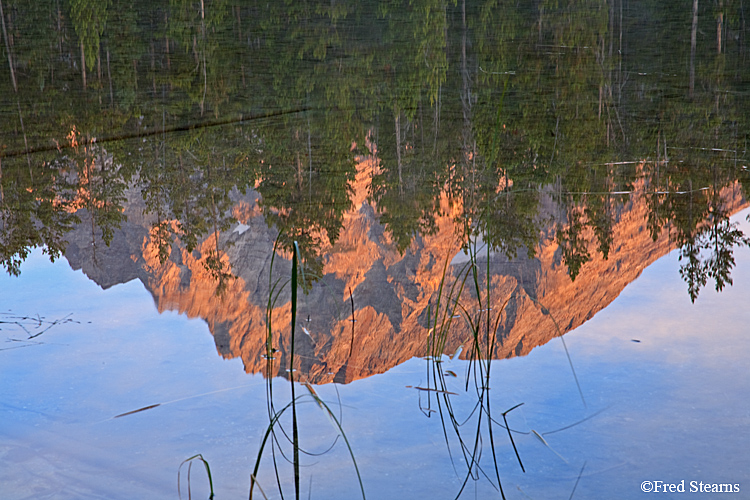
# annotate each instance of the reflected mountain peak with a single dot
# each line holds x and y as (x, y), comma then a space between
(193, 156)
(391, 291)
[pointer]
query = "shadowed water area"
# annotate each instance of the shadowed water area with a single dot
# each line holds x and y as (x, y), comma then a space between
(393, 250)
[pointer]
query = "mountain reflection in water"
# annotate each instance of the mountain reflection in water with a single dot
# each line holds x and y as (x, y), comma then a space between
(560, 149)
(179, 150)
(391, 291)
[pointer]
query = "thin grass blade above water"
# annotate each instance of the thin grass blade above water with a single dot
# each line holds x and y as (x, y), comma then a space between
(189, 461)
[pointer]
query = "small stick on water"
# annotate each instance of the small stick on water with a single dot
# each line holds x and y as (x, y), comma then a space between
(183, 399)
(430, 389)
(136, 411)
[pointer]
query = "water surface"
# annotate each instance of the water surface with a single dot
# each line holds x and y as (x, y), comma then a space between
(491, 205)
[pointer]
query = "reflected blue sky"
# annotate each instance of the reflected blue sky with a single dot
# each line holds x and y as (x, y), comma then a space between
(672, 406)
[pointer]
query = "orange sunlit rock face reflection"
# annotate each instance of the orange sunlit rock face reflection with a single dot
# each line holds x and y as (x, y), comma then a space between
(532, 300)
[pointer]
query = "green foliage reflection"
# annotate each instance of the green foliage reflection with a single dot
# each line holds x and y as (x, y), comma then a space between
(524, 122)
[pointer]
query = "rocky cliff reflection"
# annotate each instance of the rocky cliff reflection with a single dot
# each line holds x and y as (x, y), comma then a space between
(390, 290)
(203, 146)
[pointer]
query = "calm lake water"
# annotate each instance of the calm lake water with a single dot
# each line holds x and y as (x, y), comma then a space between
(393, 250)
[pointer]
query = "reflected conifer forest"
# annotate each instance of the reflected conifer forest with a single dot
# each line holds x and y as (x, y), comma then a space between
(399, 212)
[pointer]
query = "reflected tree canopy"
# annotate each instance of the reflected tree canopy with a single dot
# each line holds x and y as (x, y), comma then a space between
(517, 119)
